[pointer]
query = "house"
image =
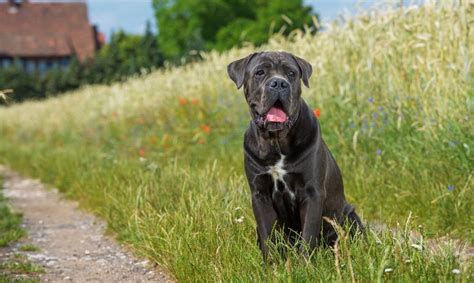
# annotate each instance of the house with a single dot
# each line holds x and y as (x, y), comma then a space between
(43, 35)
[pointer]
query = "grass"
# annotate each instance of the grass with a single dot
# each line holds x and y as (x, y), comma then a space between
(10, 229)
(29, 248)
(18, 268)
(160, 157)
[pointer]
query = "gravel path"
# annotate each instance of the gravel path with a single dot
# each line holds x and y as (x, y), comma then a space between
(72, 245)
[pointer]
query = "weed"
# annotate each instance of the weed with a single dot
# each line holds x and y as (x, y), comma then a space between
(29, 248)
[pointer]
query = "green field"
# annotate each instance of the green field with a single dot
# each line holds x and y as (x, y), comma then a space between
(160, 157)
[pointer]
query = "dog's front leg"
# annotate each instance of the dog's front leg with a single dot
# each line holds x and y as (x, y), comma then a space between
(311, 210)
(266, 217)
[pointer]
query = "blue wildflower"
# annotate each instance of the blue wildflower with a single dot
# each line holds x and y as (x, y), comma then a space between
(379, 151)
(450, 188)
(371, 99)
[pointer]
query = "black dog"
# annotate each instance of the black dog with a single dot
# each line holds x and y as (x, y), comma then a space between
(294, 179)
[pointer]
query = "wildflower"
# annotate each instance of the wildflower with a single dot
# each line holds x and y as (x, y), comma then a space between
(381, 108)
(450, 188)
(205, 128)
(195, 101)
(141, 152)
(375, 115)
(388, 270)
(183, 101)
(379, 151)
(152, 167)
(240, 219)
(456, 271)
(370, 99)
(417, 247)
(317, 112)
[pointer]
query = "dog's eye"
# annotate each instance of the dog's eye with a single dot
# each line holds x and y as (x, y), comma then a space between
(259, 73)
(291, 74)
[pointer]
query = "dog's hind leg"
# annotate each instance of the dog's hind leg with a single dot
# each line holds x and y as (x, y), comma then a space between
(353, 220)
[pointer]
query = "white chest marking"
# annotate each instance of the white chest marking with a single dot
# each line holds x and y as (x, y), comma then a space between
(278, 172)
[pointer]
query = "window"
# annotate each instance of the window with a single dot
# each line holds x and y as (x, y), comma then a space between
(5, 62)
(65, 62)
(42, 66)
(29, 65)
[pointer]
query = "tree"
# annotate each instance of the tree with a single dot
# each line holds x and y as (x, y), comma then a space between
(126, 55)
(185, 25)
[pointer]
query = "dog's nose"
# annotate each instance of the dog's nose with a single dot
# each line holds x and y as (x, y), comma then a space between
(278, 84)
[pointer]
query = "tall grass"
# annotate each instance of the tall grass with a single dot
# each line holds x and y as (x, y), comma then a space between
(160, 156)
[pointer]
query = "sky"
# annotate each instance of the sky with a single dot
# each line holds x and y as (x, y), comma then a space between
(131, 15)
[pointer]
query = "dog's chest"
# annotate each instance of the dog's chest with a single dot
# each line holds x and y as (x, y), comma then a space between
(278, 173)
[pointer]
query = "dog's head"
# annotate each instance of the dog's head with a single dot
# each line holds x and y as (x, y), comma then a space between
(272, 87)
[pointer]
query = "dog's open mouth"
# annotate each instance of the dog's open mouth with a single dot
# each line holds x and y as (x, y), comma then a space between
(275, 118)
(276, 114)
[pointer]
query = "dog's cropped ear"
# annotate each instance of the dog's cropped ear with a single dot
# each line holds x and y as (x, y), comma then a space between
(305, 68)
(236, 70)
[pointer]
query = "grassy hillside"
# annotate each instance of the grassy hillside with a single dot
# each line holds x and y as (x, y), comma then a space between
(160, 157)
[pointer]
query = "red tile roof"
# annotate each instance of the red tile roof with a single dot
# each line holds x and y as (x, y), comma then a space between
(46, 30)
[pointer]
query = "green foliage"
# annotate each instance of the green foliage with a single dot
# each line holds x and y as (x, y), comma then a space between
(18, 269)
(186, 25)
(29, 248)
(21, 82)
(10, 229)
(124, 56)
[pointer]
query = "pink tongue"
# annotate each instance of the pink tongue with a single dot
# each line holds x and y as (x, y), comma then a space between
(276, 115)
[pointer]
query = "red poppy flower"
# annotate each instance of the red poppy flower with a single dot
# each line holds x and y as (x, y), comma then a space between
(183, 101)
(206, 128)
(317, 112)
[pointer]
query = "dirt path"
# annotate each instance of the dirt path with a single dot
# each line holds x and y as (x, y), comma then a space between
(461, 249)
(72, 245)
